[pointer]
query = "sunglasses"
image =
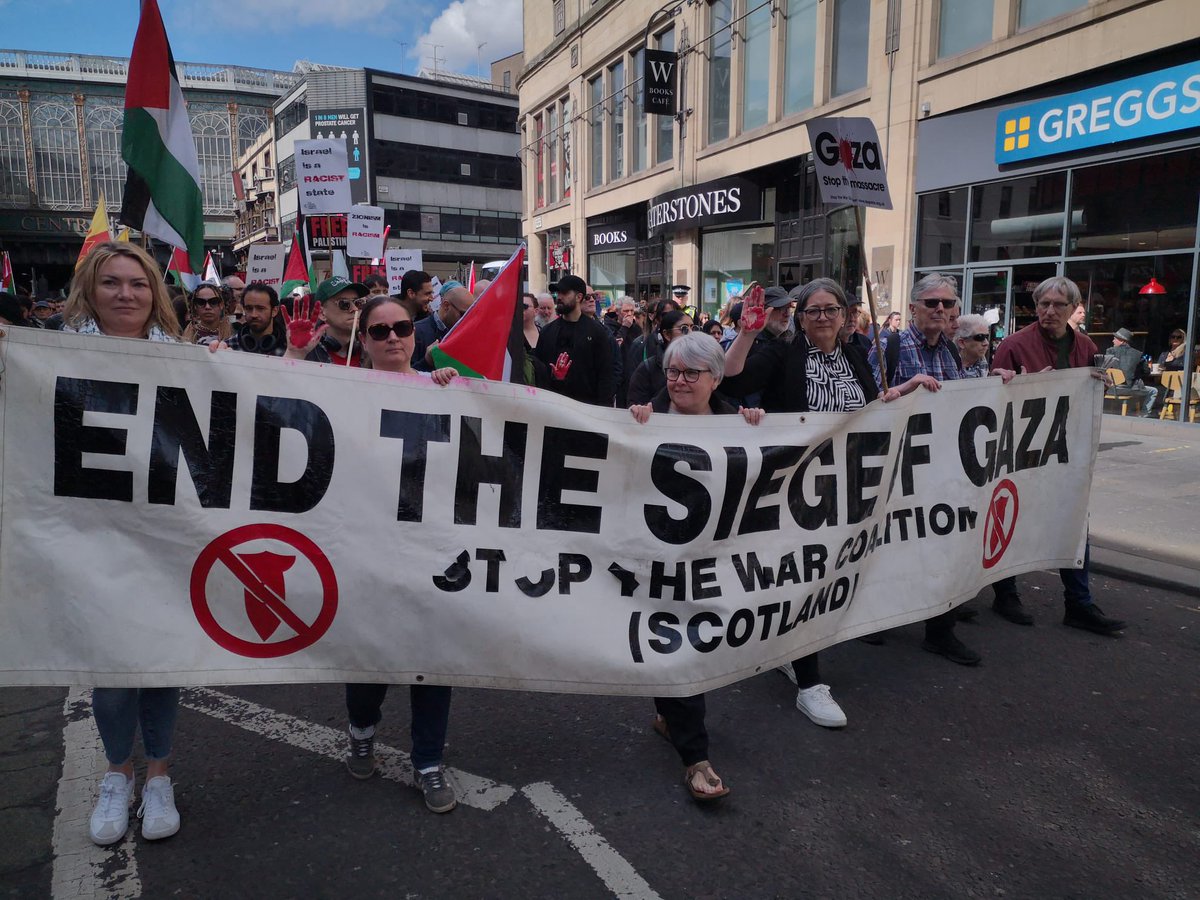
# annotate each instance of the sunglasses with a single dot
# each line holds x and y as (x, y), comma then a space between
(208, 301)
(380, 332)
(684, 329)
(347, 305)
(982, 338)
(934, 303)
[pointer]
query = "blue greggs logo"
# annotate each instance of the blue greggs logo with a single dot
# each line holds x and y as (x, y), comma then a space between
(1157, 103)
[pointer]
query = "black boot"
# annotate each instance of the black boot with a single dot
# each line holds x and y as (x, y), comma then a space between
(944, 643)
(1010, 607)
(1091, 618)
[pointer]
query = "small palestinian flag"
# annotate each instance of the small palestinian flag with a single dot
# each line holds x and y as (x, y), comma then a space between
(7, 281)
(162, 191)
(180, 270)
(295, 273)
(489, 340)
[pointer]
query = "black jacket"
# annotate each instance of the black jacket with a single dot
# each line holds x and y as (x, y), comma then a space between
(718, 404)
(778, 371)
(648, 379)
(273, 343)
(589, 347)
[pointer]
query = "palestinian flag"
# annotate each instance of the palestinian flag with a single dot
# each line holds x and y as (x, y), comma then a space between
(295, 273)
(180, 270)
(489, 340)
(97, 234)
(162, 190)
(8, 282)
(211, 275)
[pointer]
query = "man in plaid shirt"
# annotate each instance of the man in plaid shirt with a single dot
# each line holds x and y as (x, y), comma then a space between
(926, 358)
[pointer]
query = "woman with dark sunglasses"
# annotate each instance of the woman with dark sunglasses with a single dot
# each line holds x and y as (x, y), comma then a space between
(206, 313)
(387, 339)
(648, 378)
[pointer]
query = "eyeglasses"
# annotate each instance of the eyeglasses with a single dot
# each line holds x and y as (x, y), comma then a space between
(347, 305)
(684, 329)
(982, 338)
(380, 332)
(817, 312)
(691, 376)
(208, 301)
(935, 302)
(1057, 305)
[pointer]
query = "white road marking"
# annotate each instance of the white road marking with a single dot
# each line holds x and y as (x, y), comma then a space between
(620, 877)
(473, 790)
(81, 869)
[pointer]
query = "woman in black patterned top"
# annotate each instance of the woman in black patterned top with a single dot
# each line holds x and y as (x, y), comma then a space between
(815, 372)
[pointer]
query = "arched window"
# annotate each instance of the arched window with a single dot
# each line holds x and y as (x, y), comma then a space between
(56, 156)
(102, 128)
(211, 131)
(14, 177)
(251, 123)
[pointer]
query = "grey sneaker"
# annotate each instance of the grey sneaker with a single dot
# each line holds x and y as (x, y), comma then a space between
(439, 795)
(361, 758)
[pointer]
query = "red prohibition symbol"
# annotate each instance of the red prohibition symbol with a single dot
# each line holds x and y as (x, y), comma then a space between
(262, 576)
(1000, 523)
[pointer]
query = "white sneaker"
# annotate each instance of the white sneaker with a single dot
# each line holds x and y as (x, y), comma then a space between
(160, 818)
(110, 817)
(787, 671)
(818, 704)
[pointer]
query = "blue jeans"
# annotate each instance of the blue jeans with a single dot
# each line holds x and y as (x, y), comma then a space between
(119, 711)
(430, 716)
(1075, 581)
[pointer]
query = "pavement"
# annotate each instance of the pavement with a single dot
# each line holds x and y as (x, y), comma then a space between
(1145, 503)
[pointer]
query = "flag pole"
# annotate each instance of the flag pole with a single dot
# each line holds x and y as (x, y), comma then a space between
(353, 333)
(862, 249)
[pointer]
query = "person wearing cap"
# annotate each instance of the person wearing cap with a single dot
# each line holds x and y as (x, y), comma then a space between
(681, 292)
(456, 300)
(850, 328)
(577, 349)
(41, 312)
(1122, 355)
(339, 299)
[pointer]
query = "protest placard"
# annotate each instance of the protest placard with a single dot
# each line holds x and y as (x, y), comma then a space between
(849, 162)
(264, 263)
(364, 232)
(398, 262)
(321, 176)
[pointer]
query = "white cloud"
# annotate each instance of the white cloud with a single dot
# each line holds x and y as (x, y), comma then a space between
(464, 24)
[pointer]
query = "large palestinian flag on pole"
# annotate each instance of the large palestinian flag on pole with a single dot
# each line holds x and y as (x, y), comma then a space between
(162, 191)
(489, 340)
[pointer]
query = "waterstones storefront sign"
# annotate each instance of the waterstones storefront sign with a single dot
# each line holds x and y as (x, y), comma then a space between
(725, 201)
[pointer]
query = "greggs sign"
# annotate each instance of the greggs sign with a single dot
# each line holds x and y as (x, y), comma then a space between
(1158, 103)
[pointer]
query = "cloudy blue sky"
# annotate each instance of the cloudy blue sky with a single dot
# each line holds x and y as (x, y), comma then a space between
(393, 35)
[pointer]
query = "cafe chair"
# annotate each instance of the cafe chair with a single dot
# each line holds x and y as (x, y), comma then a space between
(1172, 387)
(1118, 378)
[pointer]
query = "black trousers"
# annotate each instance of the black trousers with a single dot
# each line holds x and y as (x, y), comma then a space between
(685, 724)
(808, 671)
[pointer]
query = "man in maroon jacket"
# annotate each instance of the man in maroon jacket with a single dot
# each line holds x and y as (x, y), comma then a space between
(1051, 343)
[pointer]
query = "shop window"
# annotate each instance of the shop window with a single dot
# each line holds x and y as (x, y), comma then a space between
(1035, 11)
(941, 228)
(1112, 289)
(210, 129)
(801, 50)
(637, 162)
(719, 69)
(102, 128)
(963, 24)
(664, 149)
(1138, 205)
(1018, 219)
(616, 150)
(596, 129)
(14, 177)
(756, 65)
(851, 35)
(730, 260)
(613, 274)
(56, 156)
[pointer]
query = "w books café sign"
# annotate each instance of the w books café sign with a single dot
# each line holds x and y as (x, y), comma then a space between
(659, 93)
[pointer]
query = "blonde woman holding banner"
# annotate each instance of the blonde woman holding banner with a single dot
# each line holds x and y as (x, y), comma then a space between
(119, 291)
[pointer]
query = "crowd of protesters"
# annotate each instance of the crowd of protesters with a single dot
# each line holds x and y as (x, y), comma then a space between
(773, 350)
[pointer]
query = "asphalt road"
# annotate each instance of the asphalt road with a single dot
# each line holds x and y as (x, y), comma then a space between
(1064, 766)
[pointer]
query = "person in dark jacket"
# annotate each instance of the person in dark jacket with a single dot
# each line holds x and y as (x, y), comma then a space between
(642, 346)
(648, 378)
(694, 366)
(262, 332)
(814, 372)
(577, 349)
(1133, 366)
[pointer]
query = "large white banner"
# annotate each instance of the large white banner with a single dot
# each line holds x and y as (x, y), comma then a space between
(175, 517)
